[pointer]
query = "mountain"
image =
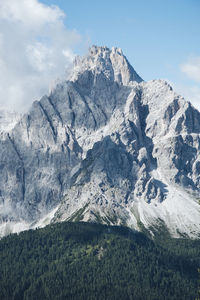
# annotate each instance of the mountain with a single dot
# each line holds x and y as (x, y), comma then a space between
(104, 146)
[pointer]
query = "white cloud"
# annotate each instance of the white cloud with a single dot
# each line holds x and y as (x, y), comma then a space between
(191, 91)
(192, 68)
(30, 13)
(35, 49)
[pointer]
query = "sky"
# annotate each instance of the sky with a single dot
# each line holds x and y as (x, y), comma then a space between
(39, 39)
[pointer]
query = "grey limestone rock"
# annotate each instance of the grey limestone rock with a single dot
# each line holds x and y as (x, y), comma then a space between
(103, 146)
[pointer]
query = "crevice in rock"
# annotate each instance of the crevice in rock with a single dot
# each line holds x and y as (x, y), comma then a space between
(49, 121)
(22, 165)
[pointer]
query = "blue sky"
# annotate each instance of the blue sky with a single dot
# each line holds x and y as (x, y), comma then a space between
(161, 39)
(157, 36)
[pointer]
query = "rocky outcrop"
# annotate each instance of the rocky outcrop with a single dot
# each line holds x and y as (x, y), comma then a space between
(104, 146)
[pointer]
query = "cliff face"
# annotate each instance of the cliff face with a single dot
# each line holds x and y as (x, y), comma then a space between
(104, 146)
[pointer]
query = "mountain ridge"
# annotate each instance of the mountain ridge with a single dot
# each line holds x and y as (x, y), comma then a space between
(106, 146)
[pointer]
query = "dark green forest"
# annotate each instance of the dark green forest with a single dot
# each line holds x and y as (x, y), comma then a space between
(93, 261)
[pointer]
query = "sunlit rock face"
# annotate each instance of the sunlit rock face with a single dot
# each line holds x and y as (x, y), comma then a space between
(103, 146)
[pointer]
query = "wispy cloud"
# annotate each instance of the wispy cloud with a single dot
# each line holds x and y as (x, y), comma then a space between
(191, 91)
(35, 49)
(191, 68)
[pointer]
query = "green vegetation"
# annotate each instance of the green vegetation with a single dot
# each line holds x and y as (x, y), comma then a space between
(79, 214)
(93, 261)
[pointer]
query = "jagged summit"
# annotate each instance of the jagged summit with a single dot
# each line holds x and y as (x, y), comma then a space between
(112, 63)
(106, 147)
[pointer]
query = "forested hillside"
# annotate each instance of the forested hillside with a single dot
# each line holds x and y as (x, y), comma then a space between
(92, 261)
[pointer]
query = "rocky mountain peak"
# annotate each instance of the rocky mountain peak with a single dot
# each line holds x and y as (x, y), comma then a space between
(110, 62)
(104, 146)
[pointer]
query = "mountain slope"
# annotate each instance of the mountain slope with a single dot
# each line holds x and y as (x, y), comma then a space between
(104, 146)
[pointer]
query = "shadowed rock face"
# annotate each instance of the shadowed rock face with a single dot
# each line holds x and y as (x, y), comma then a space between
(104, 146)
